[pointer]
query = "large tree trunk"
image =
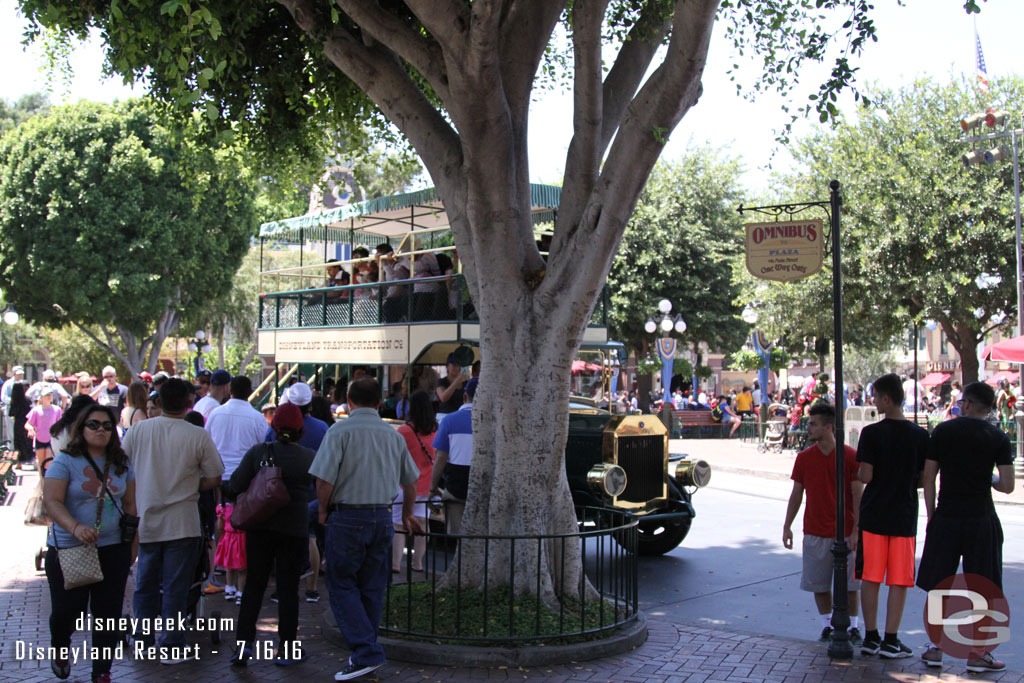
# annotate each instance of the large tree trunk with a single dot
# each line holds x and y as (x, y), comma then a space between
(517, 482)
(965, 340)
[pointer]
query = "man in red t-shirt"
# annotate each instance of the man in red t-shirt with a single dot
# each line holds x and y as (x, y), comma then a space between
(815, 472)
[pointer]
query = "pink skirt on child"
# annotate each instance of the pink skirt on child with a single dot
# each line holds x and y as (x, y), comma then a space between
(231, 550)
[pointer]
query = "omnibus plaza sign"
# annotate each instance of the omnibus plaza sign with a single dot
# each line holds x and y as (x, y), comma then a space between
(785, 251)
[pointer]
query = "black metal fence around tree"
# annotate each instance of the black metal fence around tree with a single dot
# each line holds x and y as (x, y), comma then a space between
(418, 607)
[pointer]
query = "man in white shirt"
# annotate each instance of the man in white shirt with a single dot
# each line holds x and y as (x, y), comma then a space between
(110, 392)
(17, 375)
(220, 382)
(912, 392)
(236, 426)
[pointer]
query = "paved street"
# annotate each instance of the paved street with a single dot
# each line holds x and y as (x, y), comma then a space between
(724, 606)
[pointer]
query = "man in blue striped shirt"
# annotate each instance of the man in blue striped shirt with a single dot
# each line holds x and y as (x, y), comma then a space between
(453, 445)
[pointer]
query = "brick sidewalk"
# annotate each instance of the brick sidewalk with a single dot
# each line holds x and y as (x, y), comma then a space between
(673, 652)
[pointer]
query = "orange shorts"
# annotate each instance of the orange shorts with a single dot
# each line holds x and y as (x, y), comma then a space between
(886, 557)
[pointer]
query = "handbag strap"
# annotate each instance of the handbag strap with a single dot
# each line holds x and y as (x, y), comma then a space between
(416, 434)
(103, 481)
(268, 460)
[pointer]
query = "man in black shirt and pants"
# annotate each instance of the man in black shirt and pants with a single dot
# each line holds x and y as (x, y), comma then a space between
(891, 455)
(965, 524)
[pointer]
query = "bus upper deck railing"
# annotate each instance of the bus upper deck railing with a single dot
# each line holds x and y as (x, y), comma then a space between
(418, 300)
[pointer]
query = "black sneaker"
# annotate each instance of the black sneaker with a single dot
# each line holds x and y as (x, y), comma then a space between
(273, 597)
(241, 657)
(894, 650)
(312, 596)
(355, 671)
(826, 634)
(871, 645)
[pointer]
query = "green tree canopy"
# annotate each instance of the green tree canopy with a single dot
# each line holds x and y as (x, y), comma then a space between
(678, 246)
(120, 221)
(923, 237)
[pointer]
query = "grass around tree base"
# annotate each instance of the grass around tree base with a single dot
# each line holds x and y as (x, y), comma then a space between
(461, 619)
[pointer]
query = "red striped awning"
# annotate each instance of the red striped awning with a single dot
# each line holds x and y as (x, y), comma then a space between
(934, 378)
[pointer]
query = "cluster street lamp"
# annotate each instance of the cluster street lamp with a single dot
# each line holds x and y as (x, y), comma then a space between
(971, 127)
(199, 346)
(666, 346)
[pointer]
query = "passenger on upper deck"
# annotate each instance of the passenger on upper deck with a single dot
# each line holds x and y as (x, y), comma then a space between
(430, 298)
(396, 297)
(336, 277)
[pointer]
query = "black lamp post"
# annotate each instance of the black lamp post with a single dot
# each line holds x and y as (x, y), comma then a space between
(199, 346)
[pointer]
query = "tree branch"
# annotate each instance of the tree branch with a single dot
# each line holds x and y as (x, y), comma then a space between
(617, 92)
(655, 111)
(108, 345)
(583, 161)
(404, 40)
(525, 33)
(630, 66)
(447, 20)
(378, 72)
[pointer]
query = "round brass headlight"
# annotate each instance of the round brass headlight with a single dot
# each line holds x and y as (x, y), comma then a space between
(607, 479)
(693, 473)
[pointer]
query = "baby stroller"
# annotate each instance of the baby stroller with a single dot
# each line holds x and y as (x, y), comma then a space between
(196, 597)
(774, 436)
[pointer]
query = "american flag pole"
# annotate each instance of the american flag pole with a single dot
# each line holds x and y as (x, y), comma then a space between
(982, 73)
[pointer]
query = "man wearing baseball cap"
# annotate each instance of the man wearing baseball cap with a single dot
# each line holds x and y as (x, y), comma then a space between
(220, 390)
(301, 395)
(61, 398)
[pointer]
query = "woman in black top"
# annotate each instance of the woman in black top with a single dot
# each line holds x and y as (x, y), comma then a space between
(20, 408)
(280, 541)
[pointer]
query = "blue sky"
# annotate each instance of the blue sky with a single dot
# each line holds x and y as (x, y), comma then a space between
(925, 38)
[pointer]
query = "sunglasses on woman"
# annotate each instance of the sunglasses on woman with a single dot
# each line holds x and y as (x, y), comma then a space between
(96, 425)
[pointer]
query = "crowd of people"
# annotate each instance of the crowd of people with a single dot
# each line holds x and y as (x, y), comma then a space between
(151, 473)
(967, 453)
(433, 298)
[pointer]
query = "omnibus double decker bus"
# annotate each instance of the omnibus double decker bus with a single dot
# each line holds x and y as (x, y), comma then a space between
(316, 329)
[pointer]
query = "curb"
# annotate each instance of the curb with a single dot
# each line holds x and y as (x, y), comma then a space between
(625, 639)
(785, 476)
(750, 472)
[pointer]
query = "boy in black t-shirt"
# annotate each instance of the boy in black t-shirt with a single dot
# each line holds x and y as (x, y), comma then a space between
(965, 525)
(891, 455)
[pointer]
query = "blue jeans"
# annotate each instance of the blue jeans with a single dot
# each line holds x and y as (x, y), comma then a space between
(167, 566)
(358, 564)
